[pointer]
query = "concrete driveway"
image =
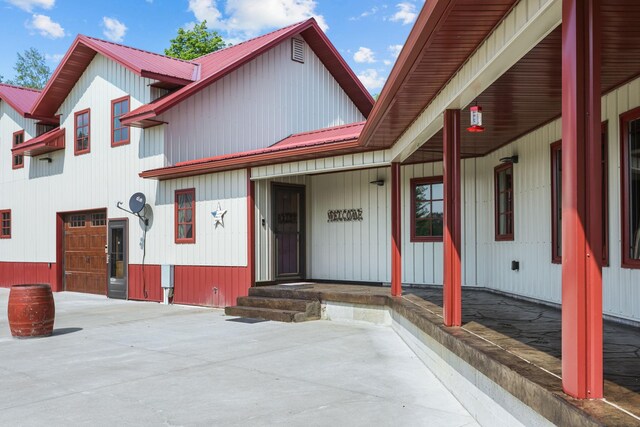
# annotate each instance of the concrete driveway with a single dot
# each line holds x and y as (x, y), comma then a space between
(120, 363)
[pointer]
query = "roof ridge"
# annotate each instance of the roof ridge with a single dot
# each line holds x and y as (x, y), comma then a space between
(253, 39)
(21, 87)
(139, 50)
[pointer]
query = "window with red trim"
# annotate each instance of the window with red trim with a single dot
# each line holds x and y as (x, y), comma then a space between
(185, 216)
(630, 175)
(17, 160)
(427, 209)
(503, 176)
(5, 224)
(556, 200)
(119, 133)
(82, 136)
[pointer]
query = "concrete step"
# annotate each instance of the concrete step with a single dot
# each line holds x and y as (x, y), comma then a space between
(266, 313)
(276, 303)
(283, 292)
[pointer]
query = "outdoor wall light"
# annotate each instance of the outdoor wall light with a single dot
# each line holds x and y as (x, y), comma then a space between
(511, 159)
(378, 182)
(45, 159)
(515, 265)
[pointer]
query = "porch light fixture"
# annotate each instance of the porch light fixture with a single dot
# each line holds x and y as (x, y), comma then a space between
(378, 182)
(45, 159)
(476, 119)
(510, 159)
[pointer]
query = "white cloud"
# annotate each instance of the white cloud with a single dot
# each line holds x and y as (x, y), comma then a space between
(371, 79)
(387, 62)
(395, 49)
(364, 55)
(29, 5)
(114, 30)
(364, 14)
(406, 13)
(45, 26)
(246, 18)
(54, 58)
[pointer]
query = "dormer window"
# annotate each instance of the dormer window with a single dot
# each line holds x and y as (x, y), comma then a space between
(18, 159)
(119, 133)
(82, 135)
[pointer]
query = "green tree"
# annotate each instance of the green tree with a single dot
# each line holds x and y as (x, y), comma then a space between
(31, 70)
(198, 41)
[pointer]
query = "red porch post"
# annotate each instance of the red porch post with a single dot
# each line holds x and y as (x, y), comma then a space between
(396, 229)
(452, 306)
(581, 200)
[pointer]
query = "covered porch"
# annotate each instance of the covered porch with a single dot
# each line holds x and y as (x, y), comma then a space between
(510, 342)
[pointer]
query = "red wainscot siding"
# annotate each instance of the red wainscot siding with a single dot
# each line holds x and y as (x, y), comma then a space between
(15, 273)
(194, 285)
(151, 283)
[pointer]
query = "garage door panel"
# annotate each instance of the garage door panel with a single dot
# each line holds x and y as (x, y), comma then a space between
(84, 258)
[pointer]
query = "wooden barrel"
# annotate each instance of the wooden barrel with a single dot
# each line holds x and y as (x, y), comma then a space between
(31, 311)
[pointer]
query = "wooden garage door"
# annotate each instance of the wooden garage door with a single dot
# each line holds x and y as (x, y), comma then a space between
(85, 268)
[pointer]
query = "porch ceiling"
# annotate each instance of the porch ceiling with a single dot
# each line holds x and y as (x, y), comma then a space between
(530, 93)
(446, 33)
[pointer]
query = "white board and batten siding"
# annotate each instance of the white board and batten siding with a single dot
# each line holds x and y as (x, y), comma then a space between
(12, 194)
(352, 250)
(259, 104)
(216, 245)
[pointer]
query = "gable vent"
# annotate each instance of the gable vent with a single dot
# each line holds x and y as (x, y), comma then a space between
(297, 50)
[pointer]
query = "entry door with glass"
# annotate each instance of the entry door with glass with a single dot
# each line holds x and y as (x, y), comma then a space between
(288, 219)
(117, 260)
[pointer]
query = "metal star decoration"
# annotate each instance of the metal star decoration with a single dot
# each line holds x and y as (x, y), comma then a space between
(218, 216)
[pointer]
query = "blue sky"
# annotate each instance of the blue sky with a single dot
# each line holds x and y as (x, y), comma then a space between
(367, 33)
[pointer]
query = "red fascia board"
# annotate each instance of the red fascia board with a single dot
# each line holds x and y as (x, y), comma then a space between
(87, 42)
(45, 143)
(55, 75)
(241, 160)
(431, 17)
(362, 98)
(193, 88)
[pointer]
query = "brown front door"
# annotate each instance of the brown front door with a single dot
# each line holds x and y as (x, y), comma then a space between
(85, 266)
(288, 215)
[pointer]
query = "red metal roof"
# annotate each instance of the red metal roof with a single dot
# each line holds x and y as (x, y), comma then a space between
(322, 142)
(218, 64)
(170, 71)
(19, 98)
(47, 142)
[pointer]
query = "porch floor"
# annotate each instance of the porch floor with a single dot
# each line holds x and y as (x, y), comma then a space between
(516, 334)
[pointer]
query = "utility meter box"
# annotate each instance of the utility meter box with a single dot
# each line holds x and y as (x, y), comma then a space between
(166, 276)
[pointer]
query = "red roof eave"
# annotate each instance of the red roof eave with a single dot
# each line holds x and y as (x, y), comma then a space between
(270, 155)
(47, 142)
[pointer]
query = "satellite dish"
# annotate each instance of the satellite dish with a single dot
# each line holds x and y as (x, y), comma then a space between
(137, 202)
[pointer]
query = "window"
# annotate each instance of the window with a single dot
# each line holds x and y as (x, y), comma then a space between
(78, 221)
(82, 138)
(17, 159)
(630, 197)
(98, 219)
(42, 128)
(5, 224)
(556, 200)
(119, 133)
(186, 216)
(427, 209)
(503, 176)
